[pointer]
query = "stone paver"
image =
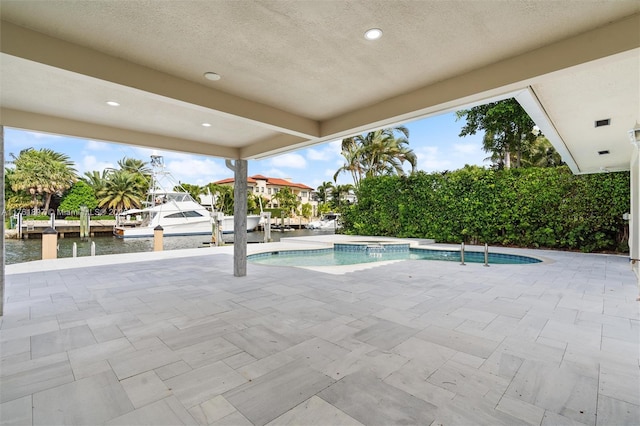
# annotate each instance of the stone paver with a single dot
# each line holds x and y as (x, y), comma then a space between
(174, 338)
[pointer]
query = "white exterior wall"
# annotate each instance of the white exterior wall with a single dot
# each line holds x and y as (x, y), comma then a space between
(634, 220)
(262, 187)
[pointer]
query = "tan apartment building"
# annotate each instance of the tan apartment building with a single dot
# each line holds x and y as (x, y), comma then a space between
(267, 187)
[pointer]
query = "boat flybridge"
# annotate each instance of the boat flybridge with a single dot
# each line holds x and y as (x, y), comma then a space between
(168, 205)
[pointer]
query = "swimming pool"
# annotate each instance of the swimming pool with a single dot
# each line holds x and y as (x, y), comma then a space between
(350, 254)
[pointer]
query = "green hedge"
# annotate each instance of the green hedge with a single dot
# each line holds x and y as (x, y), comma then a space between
(533, 207)
(276, 213)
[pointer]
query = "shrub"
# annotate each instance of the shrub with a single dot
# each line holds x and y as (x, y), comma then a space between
(533, 207)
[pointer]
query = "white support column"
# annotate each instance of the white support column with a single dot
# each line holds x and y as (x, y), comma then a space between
(239, 168)
(634, 220)
(2, 207)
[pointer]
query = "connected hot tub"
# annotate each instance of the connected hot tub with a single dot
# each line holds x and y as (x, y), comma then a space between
(352, 253)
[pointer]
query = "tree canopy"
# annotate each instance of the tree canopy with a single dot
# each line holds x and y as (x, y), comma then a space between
(123, 188)
(323, 191)
(80, 194)
(41, 174)
(510, 135)
(377, 153)
(287, 200)
(122, 191)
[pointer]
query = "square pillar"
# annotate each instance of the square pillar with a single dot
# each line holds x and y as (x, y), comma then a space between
(240, 218)
(2, 207)
(634, 220)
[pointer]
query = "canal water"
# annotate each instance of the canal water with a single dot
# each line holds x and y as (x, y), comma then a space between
(18, 251)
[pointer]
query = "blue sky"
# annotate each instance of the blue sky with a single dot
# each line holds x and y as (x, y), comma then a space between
(435, 141)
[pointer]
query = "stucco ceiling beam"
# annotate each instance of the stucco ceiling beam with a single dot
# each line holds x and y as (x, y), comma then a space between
(38, 47)
(273, 146)
(81, 129)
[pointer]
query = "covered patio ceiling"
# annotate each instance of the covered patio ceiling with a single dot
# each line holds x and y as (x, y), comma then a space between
(298, 73)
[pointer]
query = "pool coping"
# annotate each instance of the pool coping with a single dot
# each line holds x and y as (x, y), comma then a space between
(329, 241)
(288, 243)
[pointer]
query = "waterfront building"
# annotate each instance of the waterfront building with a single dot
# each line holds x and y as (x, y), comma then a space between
(268, 187)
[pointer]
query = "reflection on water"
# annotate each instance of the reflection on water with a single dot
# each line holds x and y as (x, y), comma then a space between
(18, 251)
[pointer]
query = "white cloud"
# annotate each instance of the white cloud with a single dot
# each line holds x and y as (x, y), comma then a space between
(430, 159)
(197, 171)
(466, 148)
(336, 146)
(314, 183)
(17, 140)
(173, 155)
(318, 154)
(37, 135)
(290, 160)
(97, 146)
(145, 154)
(90, 163)
(343, 178)
(324, 152)
(277, 173)
(449, 157)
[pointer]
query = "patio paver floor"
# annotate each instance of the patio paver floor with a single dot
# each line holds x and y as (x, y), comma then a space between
(181, 341)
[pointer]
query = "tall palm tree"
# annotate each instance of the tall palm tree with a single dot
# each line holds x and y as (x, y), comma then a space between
(193, 190)
(323, 191)
(122, 191)
(498, 148)
(352, 152)
(340, 193)
(377, 153)
(387, 153)
(96, 179)
(223, 195)
(287, 200)
(139, 168)
(134, 165)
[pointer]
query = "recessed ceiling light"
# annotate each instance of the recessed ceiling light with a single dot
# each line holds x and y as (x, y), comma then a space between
(206, 125)
(212, 76)
(373, 34)
(113, 103)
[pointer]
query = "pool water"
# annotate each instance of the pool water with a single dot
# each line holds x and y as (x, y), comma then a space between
(335, 257)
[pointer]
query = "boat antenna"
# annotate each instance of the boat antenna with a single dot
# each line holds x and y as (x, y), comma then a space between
(157, 161)
(157, 167)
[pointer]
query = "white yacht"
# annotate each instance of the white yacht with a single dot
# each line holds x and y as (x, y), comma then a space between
(175, 211)
(327, 221)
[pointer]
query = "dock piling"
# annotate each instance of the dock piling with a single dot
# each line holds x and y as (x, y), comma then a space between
(49, 244)
(158, 235)
(267, 226)
(84, 222)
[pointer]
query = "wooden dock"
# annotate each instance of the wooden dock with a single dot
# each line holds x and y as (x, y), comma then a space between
(71, 228)
(65, 228)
